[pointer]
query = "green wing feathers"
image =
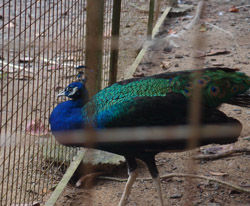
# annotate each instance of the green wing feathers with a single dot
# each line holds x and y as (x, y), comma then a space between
(219, 85)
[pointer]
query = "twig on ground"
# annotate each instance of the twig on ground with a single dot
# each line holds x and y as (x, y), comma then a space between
(221, 155)
(166, 176)
(238, 7)
(223, 30)
(231, 185)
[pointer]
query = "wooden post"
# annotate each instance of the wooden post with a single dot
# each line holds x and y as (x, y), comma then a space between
(115, 41)
(94, 45)
(151, 18)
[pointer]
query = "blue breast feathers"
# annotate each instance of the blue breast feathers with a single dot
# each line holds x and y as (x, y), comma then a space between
(67, 116)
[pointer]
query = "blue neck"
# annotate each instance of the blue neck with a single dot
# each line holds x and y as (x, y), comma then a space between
(67, 116)
(77, 102)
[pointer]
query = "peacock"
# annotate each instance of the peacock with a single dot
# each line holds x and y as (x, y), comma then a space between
(158, 100)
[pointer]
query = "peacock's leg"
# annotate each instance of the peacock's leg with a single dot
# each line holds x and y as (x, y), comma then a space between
(132, 172)
(157, 183)
(150, 161)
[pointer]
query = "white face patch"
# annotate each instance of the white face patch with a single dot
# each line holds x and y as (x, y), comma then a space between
(75, 89)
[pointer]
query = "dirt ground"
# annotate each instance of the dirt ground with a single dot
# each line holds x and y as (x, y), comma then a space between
(223, 31)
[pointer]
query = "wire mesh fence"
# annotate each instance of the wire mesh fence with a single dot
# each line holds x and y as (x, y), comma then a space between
(41, 43)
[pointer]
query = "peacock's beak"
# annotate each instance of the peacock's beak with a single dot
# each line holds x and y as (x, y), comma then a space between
(61, 93)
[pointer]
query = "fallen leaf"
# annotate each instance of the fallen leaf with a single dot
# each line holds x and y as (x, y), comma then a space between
(171, 31)
(217, 52)
(218, 173)
(175, 196)
(234, 9)
(178, 56)
(203, 28)
(44, 191)
(211, 53)
(165, 65)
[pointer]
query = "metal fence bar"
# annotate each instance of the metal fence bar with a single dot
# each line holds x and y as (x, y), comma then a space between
(115, 41)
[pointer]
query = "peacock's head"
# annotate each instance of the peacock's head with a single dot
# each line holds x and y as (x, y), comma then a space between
(75, 91)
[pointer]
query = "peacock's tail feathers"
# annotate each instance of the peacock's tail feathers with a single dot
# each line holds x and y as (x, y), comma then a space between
(242, 100)
(223, 86)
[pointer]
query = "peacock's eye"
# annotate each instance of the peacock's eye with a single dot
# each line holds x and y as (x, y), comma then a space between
(235, 88)
(201, 81)
(69, 89)
(215, 90)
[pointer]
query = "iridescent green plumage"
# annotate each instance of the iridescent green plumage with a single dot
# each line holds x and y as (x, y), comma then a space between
(218, 86)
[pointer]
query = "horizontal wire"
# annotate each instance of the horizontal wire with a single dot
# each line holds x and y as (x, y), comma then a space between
(141, 134)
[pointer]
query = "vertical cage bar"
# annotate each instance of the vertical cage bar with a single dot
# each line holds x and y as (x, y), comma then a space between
(150, 18)
(195, 108)
(115, 41)
(94, 44)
